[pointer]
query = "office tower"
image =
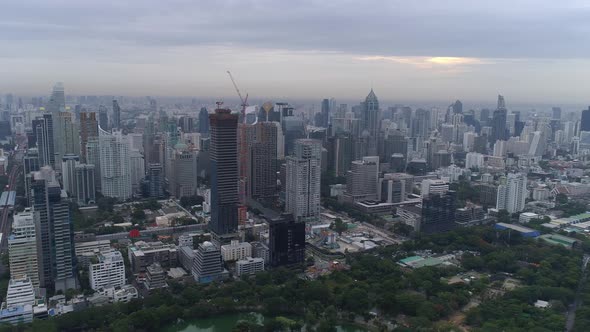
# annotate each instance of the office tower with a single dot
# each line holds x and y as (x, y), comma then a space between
(93, 158)
(207, 265)
(512, 193)
(183, 181)
(114, 165)
(66, 139)
(68, 173)
(224, 172)
(340, 153)
(203, 121)
(286, 240)
(538, 144)
(55, 230)
(556, 111)
(116, 115)
(480, 144)
(43, 129)
(85, 184)
(57, 101)
(137, 167)
(108, 272)
(155, 181)
(457, 107)
(103, 118)
(263, 161)
(362, 178)
(303, 180)
(22, 248)
(5, 130)
(88, 129)
(370, 118)
(438, 213)
(30, 164)
(395, 187)
(324, 115)
(499, 122)
(585, 123)
(420, 124)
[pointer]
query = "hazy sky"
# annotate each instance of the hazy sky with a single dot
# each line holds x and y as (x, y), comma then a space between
(535, 51)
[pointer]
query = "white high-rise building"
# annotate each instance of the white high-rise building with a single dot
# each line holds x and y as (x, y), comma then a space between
(537, 146)
(362, 178)
(469, 141)
(512, 193)
(236, 251)
(115, 170)
(500, 148)
(303, 179)
(22, 248)
(108, 272)
(68, 173)
(474, 159)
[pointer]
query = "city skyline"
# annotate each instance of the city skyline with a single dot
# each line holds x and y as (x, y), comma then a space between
(426, 51)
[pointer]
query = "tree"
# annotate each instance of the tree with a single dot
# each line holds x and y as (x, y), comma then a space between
(561, 198)
(339, 226)
(503, 216)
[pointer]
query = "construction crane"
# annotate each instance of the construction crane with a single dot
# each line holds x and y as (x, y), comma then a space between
(244, 101)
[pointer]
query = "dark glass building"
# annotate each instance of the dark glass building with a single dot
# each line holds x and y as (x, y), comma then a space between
(585, 123)
(286, 241)
(224, 172)
(203, 121)
(438, 213)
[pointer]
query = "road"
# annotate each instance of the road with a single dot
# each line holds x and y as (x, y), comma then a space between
(5, 224)
(571, 313)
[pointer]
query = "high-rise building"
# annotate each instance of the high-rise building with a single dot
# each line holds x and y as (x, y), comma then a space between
(108, 272)
(395, 187)
(43, 130)
(137, 167)
(286, 240)
(55, 230)
(183, 181)
(154, 181)
(88, 129)
(207, 264)
(512, 193)
(30, 164)
(263, 161)
(114, 165)
(68, 173)
(474, 160)
(66, 136)
(93, 158)
(224, 172)
(303, 180)
(585, 123)
(324, 114)
(438, 213)
(116, 115)
(103, 118)
(499, 122)
(457, 107)
(430, 186)
(362, 178)
(370, 118)
(203, 121)
(22, 248)
(20, 292)
(85, 184)
(556, 111)
(57, 101)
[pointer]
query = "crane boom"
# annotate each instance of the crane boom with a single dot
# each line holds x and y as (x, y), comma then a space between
(236, 87)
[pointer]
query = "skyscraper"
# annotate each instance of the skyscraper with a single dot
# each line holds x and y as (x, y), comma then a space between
(68, 167)
(512, 193)
(85, 185)
(325, 114)
(88, 129)
(499, 122)
(286, 240)
(203, 121)
(43, 130)
(66, 136)
(303, 180)
(155, 181)
(263, 161)
(22, 248)
(362, 178)
(103, 118)
(224, 173)
(585, 123)
(370, 118)
(116, 115)
(55, 230)
(457, 107)
(114, 165)
(183, 181)
(57, 101)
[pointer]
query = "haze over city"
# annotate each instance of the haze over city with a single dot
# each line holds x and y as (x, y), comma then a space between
(530, 51)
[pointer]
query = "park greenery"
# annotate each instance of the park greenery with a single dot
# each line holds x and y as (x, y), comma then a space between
(418, 299)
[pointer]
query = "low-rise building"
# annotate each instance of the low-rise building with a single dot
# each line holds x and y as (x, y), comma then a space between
(142, 254)
(207, 265)
(20, 292)
(20, 314)
(525, 217)
(249, 266)
(108, 272)
(236, 250)
(155, 277)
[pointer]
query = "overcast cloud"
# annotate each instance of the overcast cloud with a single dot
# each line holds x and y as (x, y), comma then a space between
(431, 50)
